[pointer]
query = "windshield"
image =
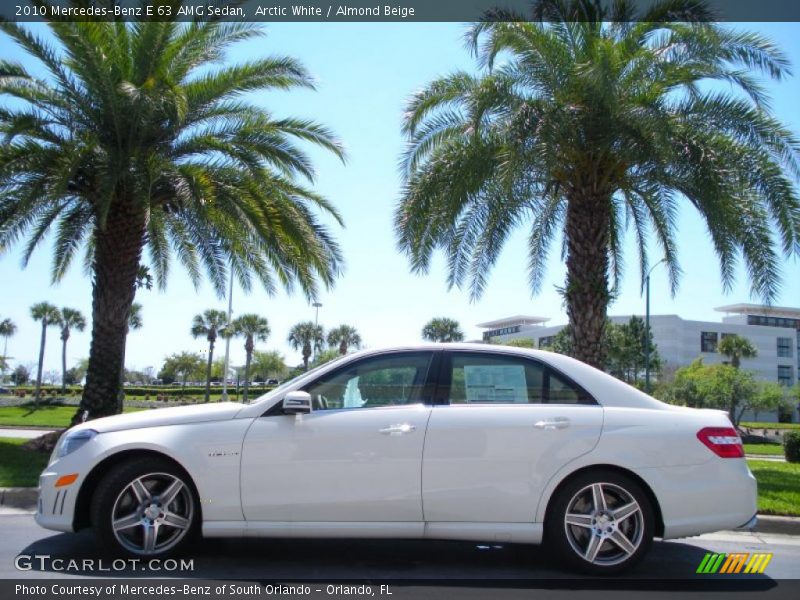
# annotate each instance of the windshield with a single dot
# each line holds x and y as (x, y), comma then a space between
(290, 382)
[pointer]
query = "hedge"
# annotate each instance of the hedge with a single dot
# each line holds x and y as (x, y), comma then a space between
(791, 446)
(138, 392)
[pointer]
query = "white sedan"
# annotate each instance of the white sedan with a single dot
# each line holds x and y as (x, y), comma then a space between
(451, 441)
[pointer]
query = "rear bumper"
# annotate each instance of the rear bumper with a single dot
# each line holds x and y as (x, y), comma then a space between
(716, 495)
(750, 525)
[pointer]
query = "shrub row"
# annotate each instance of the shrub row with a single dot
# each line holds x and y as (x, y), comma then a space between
(138, 392)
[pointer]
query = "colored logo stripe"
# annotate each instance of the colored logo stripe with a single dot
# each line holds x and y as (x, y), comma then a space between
(758, 562)
(734, 563)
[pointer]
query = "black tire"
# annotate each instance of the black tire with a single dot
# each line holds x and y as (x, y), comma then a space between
(154, 527)
(592, 531)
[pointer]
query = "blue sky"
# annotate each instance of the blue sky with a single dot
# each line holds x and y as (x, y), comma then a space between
(365, 73)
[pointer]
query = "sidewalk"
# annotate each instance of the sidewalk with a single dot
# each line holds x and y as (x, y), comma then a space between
(26, 433)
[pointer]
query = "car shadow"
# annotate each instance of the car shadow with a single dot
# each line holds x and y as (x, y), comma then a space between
(668, 566)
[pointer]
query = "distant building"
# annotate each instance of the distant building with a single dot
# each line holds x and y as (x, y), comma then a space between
(773, 330)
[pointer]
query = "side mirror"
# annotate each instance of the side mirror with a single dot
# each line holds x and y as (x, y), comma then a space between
(297, 403)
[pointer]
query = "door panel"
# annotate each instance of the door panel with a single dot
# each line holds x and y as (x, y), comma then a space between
(490, 453)
(490, 463)
(335, 465)
(356, 457)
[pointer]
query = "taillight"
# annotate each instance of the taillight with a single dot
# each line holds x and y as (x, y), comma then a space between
(722, 441)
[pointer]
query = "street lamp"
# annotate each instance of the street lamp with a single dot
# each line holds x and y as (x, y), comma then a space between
(317, 306)
(647, 327)
(227, 343)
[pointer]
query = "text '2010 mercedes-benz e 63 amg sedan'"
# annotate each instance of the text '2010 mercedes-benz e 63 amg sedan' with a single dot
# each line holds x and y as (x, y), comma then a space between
(450, 441)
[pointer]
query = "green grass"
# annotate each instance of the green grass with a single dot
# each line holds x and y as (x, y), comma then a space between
(18, 467)
(778, 487)
(755, 425)
(765, 449)
(44, 416)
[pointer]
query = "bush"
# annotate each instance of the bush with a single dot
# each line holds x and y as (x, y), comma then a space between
(791, 446)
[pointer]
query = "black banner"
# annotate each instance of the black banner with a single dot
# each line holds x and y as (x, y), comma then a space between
(363, 10)
(562, 589)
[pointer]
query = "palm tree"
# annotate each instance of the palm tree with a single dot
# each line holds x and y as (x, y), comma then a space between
(306, 336)
(598, 117)
(70, 319)
(344, 336)
(137, 135)
(7, 329)
(48, 315)
(736, 347)
(209, 324)
(442, 330)
(252, 327)
(134, 322)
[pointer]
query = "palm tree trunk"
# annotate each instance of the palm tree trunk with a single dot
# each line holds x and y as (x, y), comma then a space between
(247, 375)
(587, 292)
(64, 364)
(342, 348)
(208, 370)
(121, 395)
(118, 249)
(41, 363)
(306, 355)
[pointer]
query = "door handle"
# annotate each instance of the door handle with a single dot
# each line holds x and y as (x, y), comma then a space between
(555, 423)
(398, 429)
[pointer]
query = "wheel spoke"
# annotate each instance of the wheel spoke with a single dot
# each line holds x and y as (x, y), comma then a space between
(140, 491)
(150, 534)
(623, 542)
(174, 520)
(127, 522)
(598, 499)
(578, 520)
(593, 548)
(171, 493)
(623, 512)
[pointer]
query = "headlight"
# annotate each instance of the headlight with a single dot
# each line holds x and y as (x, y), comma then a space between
(72, 441)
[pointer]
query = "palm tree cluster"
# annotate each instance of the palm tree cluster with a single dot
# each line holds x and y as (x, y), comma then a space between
(309, 337)
(139, 139)
(589, 118)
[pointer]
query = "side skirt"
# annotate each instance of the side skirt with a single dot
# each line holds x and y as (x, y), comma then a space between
(529, 533)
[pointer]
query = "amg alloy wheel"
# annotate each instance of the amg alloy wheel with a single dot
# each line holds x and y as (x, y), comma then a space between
(146, 508)
(602, 522)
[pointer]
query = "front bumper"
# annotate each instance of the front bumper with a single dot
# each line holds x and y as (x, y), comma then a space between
(56, 505)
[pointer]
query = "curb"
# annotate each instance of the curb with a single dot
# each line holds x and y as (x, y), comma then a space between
(19, 497)
(25, 498)
(779, 525)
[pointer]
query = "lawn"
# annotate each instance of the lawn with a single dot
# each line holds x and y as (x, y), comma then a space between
(44, 416)
(778, 487)
(18, 467)
(753, 425)
(765, 449)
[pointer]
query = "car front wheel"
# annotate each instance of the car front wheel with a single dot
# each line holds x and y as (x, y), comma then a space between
(145, 507)
(601, 523)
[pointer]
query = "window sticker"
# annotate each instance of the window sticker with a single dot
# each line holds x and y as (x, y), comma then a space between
(495, 383)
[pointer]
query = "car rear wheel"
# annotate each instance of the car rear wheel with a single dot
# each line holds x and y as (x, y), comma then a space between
(601, 523)
(145, 507)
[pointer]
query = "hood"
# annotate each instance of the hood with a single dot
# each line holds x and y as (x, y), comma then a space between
(156, 417)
